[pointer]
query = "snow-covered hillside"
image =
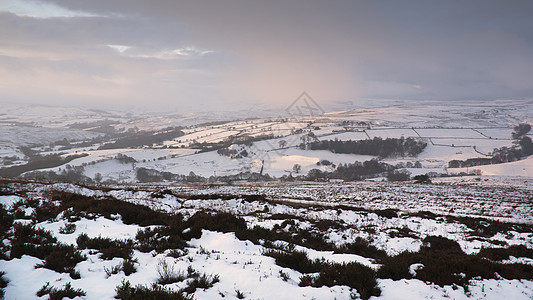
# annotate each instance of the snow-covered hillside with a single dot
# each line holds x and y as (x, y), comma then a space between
(267, 242)
(452, 131)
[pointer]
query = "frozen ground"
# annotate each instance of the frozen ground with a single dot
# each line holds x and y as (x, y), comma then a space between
(494, 210)
(390, 217)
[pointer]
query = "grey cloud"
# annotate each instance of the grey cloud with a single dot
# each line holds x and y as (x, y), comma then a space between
(272, 50)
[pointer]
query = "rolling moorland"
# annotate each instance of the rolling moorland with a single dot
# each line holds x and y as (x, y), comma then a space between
(404, 201)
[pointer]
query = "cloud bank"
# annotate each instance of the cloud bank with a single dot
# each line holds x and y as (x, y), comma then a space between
(179, 54)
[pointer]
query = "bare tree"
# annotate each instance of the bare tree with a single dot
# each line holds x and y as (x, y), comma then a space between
(296, 168)
(98, 177)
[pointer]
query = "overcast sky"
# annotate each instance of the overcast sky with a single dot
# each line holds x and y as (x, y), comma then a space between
(168, 53)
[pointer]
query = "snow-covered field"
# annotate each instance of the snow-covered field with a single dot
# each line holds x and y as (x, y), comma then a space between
(453, 131)
(390, 217)
(377, 224)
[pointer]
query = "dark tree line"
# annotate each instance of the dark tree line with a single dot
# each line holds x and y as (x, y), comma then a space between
(233, 153)
(139, 139)
(527, 145)
(503, 154)
(238, 140)
(151, 175)
(70, 173)
(521, 130)
(124, 159)
(353, 172)
(39, 162)
(389, 147)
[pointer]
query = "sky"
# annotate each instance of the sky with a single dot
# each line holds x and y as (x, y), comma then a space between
(169, 54)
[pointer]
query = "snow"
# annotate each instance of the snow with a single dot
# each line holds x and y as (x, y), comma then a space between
(9, 200)
(242, 266)
(522, 168)
(250, 272)
(452, 130)
(338, 258)
(448, 133)
(25, 280)
(99, 227)
(345, 136)
(481, 289)
(392, 133)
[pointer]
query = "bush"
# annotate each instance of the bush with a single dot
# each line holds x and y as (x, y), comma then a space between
(47, 210)
(284, 276)
(40, 243)
(403, 232)
(294, 259)
(488, 228)
(439, 243)
(140, 292)
(500, 254)
(3, 284)
(521, 130)
(167, 274)
(397, 267)
(32, 241)
(352, 274)
(130, 213)
(63, 259)
(6, 222)
(446, 264)
(388, 213)
(397, 175)
(422, 179)
(239, 294)
(127, 266)
(201, 282)
(58, 294)
(361, 247)
(68, 228)
(160, 238)
(108, 248)
(114, 270)
(222, 222)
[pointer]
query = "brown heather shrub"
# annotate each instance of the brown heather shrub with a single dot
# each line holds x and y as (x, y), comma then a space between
(294, 259)
(32, 241)
(361, 247)
(504, 253)
(6, 222)
(3, 284)
(446, 264)
(57, 294)
(140, 292)
(108, 248)
(131, 213)
(159, 239)
(63, 259)
(355, 275)
(222, 222)
(203, 281)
